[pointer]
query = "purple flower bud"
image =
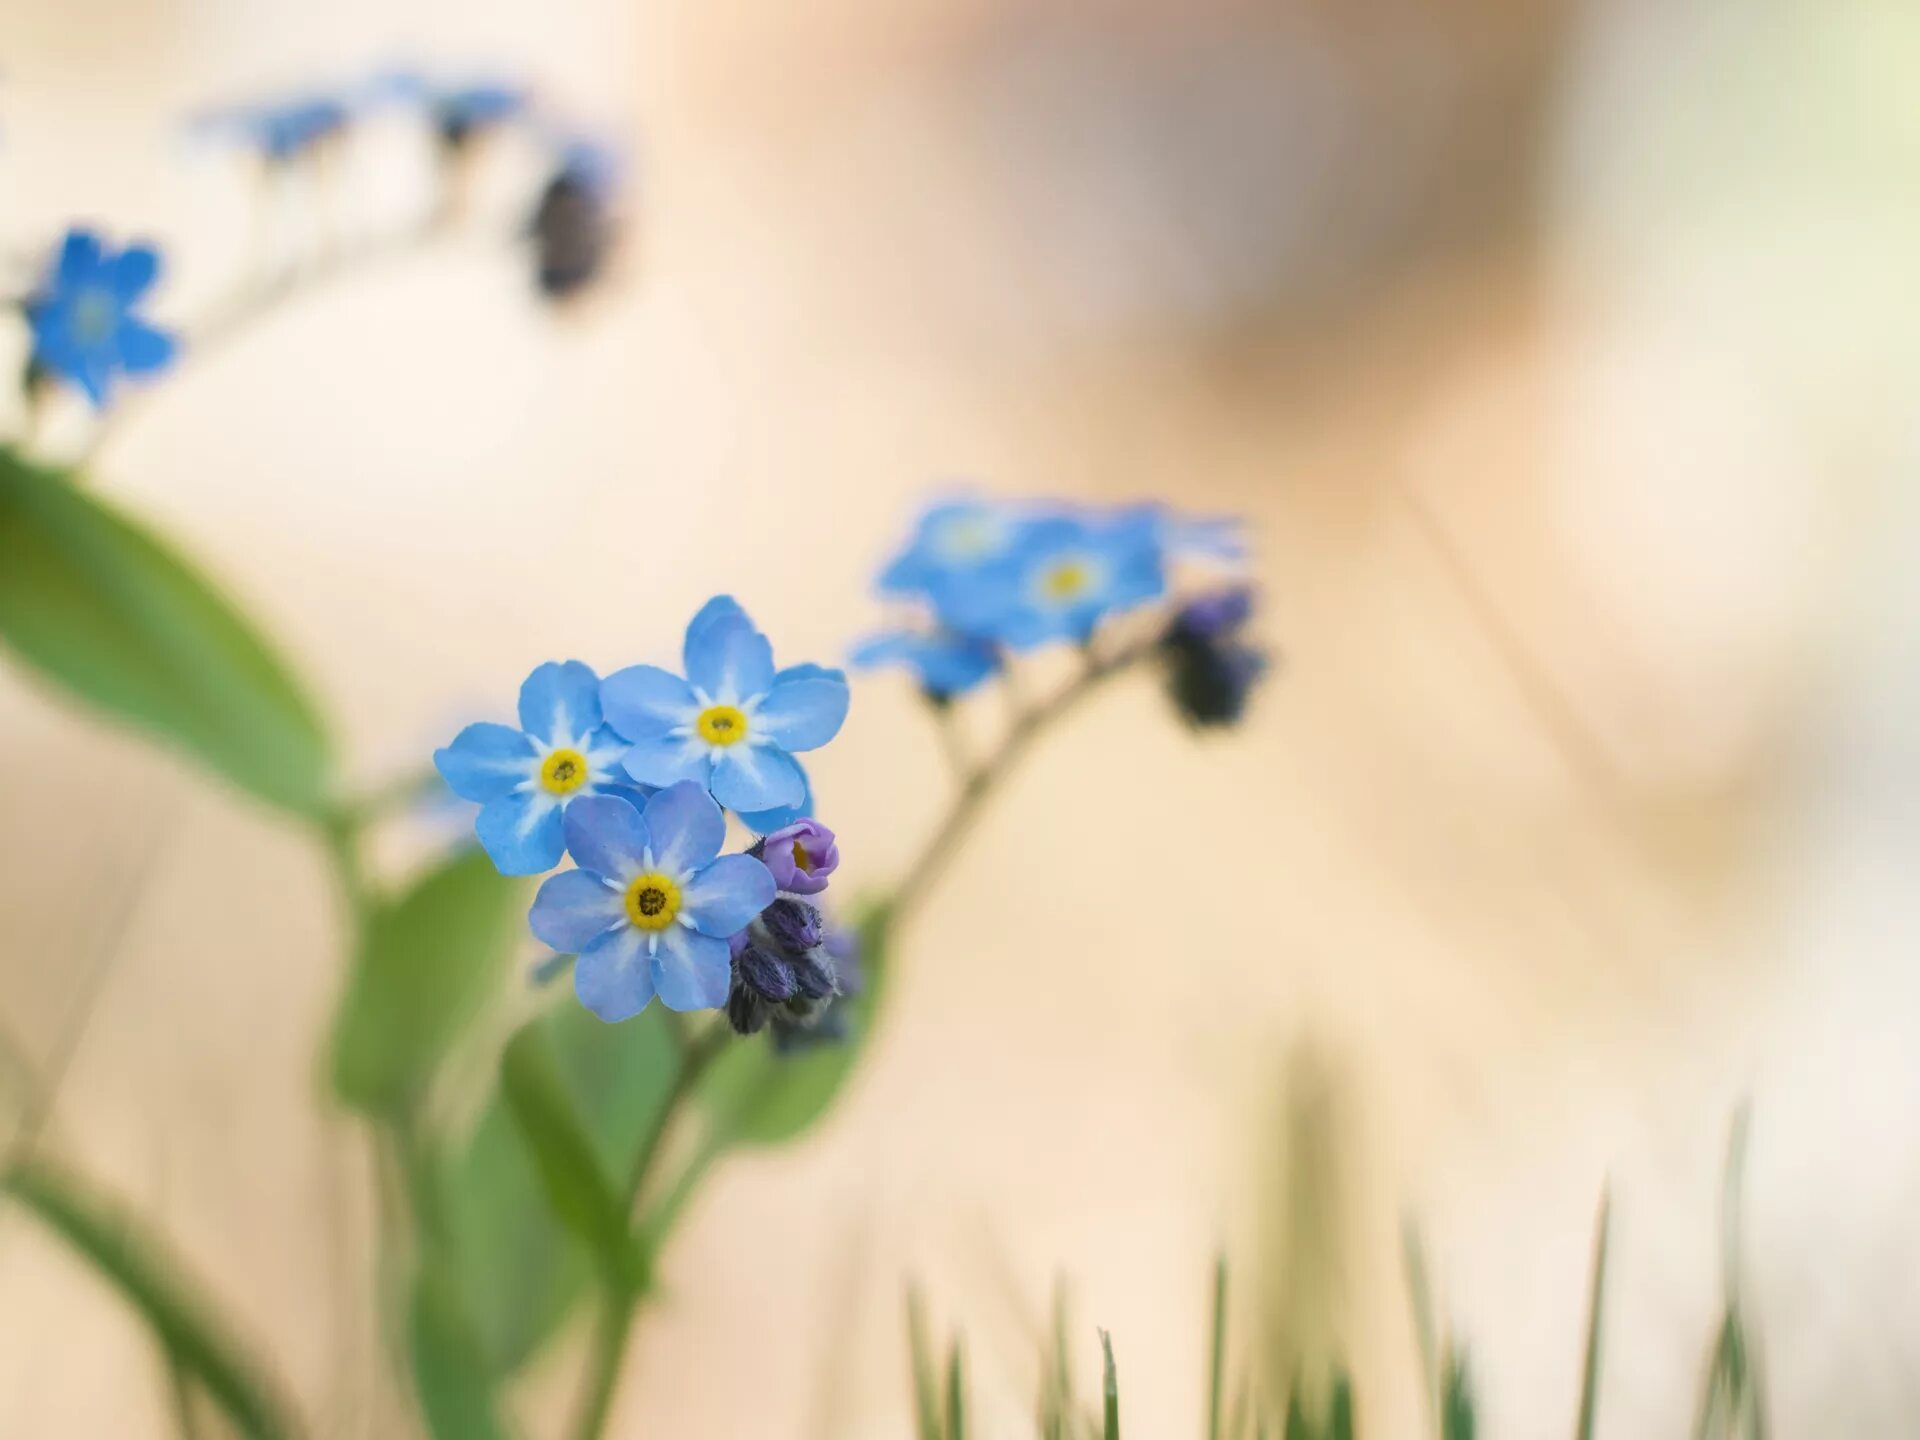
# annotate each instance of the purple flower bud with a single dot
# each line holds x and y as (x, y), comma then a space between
(793, 926)
(814, 976)
(768, 976)
(801, 856)
(1215, 615)
(746, 1012)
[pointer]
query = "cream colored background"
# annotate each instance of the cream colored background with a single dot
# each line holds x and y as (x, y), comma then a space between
(1564, 361)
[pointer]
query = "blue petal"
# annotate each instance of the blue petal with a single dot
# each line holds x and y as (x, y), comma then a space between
(607, 836)
(765, 822)
(132, 271)
(729, 659)
(718, 613)
(573, 909)
(646, 700)
(722, 898)
(687, 827)
(690, 970)
(486, 761)
(521, 833)
(79, 258)
(560, 703)
(803, 714)
(810, 671)
(142, 348)
(669, 759)
(613, 977)
(756, 777)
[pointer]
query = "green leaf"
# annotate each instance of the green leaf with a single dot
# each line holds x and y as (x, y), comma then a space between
(450, 1372)
(926, 1403)
(956, 1393)
(1340, 1410)
(427, 961)
(1110, 1388)
(521, 1269)
(137, 1264)
(106, 611)
(1456, 1401)
(1590, 1367)
(758, 1097)
(578, 1190)
(1217, 1350)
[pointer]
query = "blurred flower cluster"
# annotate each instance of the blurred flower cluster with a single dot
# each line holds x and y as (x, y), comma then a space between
(632, 776)
(83, 313)
(993, 578)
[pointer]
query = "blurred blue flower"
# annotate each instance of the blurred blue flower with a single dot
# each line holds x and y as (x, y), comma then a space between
(953, 540)
(946, 664)
(650, 909)
(281, 130)
(82, 321)
(525, 779)
(1064, 575)
(732, 724)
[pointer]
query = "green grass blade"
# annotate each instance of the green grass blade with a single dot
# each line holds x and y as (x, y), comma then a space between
(1340, 1410)
(956, 1394)
(1456, 1401)
(1110, 1387)
(926, 1401)
(1420, 1300)
(1590, 1369)
(139, 1267)
(1217, 1350)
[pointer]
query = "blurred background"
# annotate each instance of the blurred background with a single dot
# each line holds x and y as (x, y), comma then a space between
(1563, 356)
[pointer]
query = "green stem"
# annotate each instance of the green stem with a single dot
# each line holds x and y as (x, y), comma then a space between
(979, 784)
(618, 1298)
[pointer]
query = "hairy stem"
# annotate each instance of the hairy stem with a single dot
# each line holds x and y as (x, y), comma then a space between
(1029, 722)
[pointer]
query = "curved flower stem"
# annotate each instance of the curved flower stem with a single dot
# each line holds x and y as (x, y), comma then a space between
(978, 784)
(618, 1298)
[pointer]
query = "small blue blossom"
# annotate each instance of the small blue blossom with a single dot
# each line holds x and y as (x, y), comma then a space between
(282, 130)
(525, 779)
(946, 664)
(952, 541)
(1065, 574)
(733, 723)
(652, 904)
(82, 317)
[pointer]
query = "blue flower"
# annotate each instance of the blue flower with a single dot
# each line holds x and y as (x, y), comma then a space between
(84, 328)
(650, 909)
(1065, 574)
(525, 779)
(283, 130)
(733, 723)
(946, 664)
(953, 540)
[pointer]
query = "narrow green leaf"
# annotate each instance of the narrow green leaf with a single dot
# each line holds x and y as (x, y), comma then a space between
(102, 608)
(426, 963)
(1590, 1368)
(137, 1264)
(1340, 1410)
(450, 1372)
(757, 1097)
(956, 1394)
(1297, 1427)
(1456, 1400)
(1109, 1389)
(521, 1270)
(563, 1152)
(1217, 1350)
(926, 1402)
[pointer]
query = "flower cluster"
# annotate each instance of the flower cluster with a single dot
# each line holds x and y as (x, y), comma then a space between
(995, 578)
(632, 776)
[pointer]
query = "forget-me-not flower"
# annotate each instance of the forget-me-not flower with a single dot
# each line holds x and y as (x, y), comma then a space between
(82, 317)
(282, 130)
(952, 540)
(733, 723)
(945, 663)
(1065, 574)
(525, 779)
(650, 910)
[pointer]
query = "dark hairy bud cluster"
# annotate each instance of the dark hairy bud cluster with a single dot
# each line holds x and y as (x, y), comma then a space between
(783, 972)
(1210, 667)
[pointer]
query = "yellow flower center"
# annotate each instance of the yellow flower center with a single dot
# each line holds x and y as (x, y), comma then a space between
(563, 772)
(94, 316)
(968, 537)
(653, 901)
(722, 725)
(802, 861)
(1067, 581)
